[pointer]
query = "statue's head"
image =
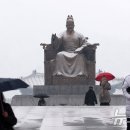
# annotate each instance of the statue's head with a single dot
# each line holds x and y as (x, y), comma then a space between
(70, 23)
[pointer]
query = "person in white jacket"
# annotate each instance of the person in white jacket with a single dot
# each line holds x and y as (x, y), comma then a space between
(125, 87)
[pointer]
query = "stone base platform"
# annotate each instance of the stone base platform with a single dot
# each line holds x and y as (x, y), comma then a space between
(68, 95)
(60, 100)
(63, 89)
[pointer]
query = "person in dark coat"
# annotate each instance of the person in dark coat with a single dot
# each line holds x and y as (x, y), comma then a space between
(90, 97)
(7, 117)
(42, 102)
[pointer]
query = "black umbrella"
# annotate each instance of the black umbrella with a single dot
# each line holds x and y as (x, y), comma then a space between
(42, 96)
(7, 84)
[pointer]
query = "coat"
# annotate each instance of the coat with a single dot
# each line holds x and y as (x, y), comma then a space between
(10, 121)
(90, 98)
(125, 85)
(104, 96)
(42, 102)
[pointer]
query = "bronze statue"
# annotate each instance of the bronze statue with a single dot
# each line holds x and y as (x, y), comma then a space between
(70, 61)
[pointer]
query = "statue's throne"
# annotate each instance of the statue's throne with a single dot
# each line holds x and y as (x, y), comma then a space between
(49, 64)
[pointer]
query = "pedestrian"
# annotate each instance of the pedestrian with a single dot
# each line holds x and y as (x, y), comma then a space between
(90, 97)
(126, 92)
(7, 117)
(42, 102)
(104, 96)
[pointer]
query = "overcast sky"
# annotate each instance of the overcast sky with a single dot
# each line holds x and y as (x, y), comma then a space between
(24, 24)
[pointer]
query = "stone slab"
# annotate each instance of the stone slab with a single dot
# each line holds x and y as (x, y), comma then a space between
(62, 89)
(59, 100)
(70, 118)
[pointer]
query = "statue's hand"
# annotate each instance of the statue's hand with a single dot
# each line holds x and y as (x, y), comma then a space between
(78, 50)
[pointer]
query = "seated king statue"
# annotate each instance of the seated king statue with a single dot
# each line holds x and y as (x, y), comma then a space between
(70, 61)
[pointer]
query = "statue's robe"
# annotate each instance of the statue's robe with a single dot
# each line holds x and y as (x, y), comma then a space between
(68, 63)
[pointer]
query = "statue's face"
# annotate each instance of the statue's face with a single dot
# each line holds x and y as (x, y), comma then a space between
(70, 26)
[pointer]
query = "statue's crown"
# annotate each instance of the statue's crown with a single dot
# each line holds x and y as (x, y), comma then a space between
(70, 17)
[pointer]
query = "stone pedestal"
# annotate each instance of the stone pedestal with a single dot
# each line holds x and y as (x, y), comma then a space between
(60, 100)
(62, 89)
(73, 81)
(63, 94)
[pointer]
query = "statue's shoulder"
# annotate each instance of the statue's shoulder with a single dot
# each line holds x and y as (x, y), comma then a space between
(80, 35)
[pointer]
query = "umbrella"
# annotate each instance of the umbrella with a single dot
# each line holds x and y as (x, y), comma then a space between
(108, 75)
(42, 96)
(7, 84)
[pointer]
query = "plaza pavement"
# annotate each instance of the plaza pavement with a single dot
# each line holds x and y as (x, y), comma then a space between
(70, 117)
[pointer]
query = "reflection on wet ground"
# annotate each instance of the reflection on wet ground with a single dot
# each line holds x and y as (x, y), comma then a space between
(70, 118)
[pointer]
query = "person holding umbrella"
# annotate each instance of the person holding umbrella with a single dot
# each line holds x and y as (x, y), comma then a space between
(126, 92)
(7, 117)
(42, 101)
(104, 96)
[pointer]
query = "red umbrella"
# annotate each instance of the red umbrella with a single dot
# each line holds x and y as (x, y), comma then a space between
(108, 75)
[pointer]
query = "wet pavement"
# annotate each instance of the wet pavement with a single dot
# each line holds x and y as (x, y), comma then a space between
(70, 117)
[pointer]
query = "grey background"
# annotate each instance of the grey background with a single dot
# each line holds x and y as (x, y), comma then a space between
(25, 24)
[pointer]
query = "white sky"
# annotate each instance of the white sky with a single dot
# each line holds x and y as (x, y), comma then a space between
(24, 24)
